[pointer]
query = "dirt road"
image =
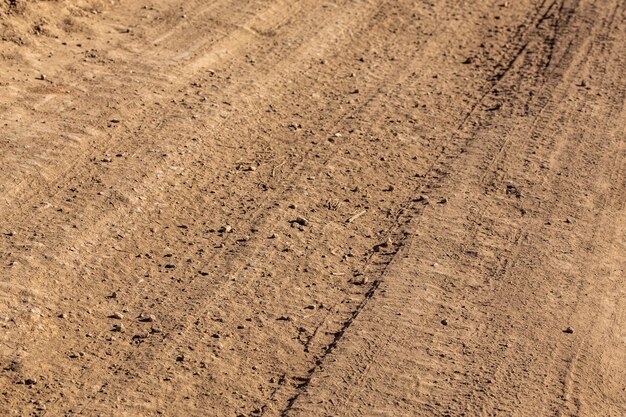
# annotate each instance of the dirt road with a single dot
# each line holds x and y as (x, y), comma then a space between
(313, 208)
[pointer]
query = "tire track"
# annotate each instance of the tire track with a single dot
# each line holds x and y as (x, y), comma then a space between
(341, 411)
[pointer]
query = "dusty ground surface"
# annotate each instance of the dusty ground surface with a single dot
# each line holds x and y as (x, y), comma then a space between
(304, 207)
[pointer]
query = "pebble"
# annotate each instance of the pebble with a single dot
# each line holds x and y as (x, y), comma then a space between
(117, 315)
(30, 381)
(118, 328)
(360, 280)
(146, 318)
(569, 330)
(422, 199)
(301, 221)
(444, 322)
(386, 244)
(225, 229)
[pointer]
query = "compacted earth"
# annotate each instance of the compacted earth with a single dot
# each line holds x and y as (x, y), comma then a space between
(312, 208)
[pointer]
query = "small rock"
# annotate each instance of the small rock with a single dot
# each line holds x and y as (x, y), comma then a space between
(117, 315)
(569, 330)
(118, 328)
(146, 318)
(444, 322)
(362, 280)
(225, 229)
(388, 243)
(513, 191)
(301, 221)
(41, 77)
(30, 381)
(422, 199)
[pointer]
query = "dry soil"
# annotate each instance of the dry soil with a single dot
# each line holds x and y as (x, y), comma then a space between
(313, 208)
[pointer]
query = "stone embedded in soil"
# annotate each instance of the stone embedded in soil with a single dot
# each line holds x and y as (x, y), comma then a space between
(30, 381)
(146, 318)
(568, 330)
(444, 322)
(225, 229)
(117, 315)
(386, 244)
(361, 280)
(301, 221)
(118, 328)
